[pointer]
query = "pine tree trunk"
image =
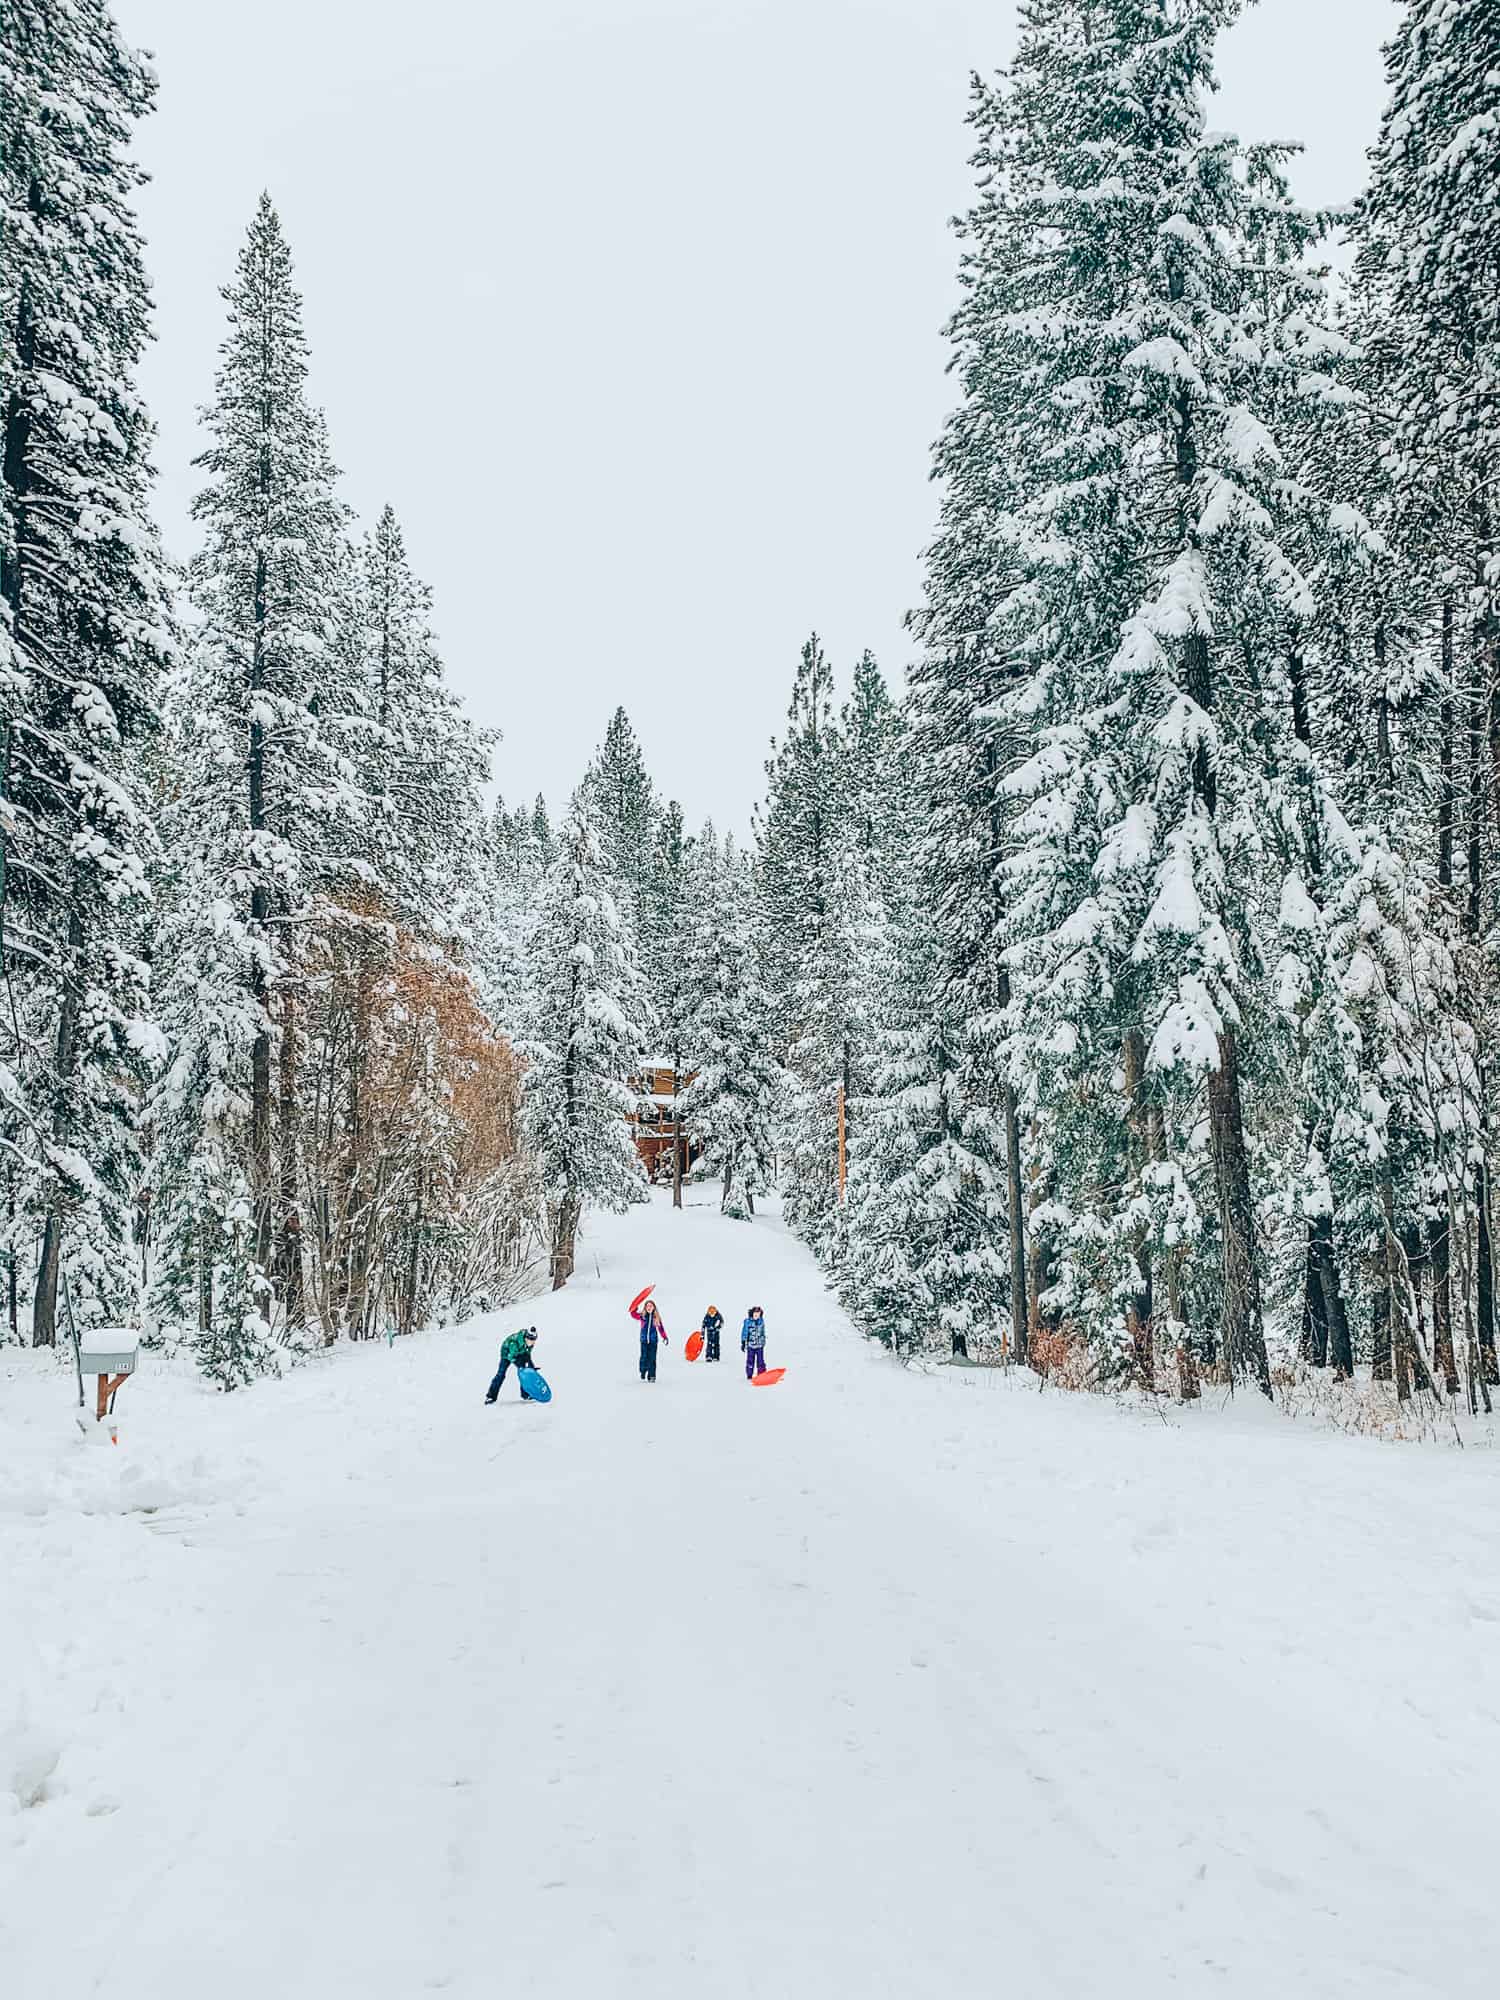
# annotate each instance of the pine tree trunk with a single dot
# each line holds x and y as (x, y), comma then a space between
(354, 1279)
(1489, 1366)
(65, 1061)
(289, 1239)
(414, 1259)
(1447, 796)
(1418, 1270)
(1314, 1310)
(1324, 1311)
(1138, 1313)
(260, 911)
(1473, 912)
(1340, 1343)
(1020, 1305)
(1380, 1324)
(15, 469)
(676, 1138)
(564, 1239)
(1442, 1302)
(1398, 1318)
(1242, 1326)
(205, 1236)
(44, 1306)
(1475, 828)
(12, 1285)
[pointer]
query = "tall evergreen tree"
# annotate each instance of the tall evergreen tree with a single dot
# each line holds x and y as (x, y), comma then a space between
(588, 1035)
(265, 806)
(625, 810)
(669, 961)
(871, 726)
(424, 763)
(734, 1101)
(1154, 595)
(84, 632)
(1428, 311)
(814, 889)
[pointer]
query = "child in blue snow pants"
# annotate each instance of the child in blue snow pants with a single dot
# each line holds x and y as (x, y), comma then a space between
(652, 1331)
(753, 1340)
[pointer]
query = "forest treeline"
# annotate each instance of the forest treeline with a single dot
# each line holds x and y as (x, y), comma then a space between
(1116, 997)
(1189, 1064)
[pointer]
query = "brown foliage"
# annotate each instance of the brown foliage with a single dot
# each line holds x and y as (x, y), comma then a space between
(411, 1161)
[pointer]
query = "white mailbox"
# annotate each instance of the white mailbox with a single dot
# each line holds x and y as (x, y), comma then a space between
(109, 1350)
(109, 1353)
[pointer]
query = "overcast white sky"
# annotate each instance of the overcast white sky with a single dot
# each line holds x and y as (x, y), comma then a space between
(633, 311)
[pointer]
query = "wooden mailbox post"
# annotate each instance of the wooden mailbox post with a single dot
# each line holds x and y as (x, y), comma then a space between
(110, 1353)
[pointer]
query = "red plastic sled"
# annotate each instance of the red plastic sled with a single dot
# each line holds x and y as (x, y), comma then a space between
(767, 1377)
(694, 1346)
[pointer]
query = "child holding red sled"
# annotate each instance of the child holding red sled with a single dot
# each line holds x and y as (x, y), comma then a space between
(643, 1311)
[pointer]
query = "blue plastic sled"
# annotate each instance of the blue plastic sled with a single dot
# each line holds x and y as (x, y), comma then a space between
(533, 1385)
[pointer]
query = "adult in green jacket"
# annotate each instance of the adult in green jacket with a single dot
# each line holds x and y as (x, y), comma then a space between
(516, 1353)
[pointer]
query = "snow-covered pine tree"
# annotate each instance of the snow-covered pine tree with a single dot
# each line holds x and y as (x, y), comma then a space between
(814, 893)
(871, 726)
(626, 812)
(1165, 285)
(544, 847)
(424, 762)
(956, 755)
(910, 1274)
(1428, 310)
(207, 1281)
(1383, 1098)
(667, 960)
(588, 1034)
(735, 1100)
(502, 926)
(263, 798)
(84, 632)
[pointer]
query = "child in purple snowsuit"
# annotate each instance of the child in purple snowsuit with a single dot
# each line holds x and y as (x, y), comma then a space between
(753, 1341)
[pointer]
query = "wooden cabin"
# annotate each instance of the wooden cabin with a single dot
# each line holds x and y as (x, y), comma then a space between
(653, 1124)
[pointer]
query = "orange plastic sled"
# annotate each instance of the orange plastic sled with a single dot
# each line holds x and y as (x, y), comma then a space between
(765, 1379)
(694, 1347)
(641, 1297)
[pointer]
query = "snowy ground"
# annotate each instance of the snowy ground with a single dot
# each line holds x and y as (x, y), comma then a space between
(870, 1684)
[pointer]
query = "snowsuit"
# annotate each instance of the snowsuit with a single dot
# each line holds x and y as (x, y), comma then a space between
(713, 1326)
(651, 1330)
(516, 1353)
(753, 1341)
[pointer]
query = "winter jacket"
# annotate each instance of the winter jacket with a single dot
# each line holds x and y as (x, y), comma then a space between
(753, 1332)
(651, 1321)
(713, 1323)
(517, 1350)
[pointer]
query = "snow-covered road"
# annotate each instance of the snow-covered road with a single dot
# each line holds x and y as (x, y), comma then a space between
(875, 1683)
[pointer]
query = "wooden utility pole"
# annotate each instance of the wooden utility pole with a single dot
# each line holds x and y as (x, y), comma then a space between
(676, 1137)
